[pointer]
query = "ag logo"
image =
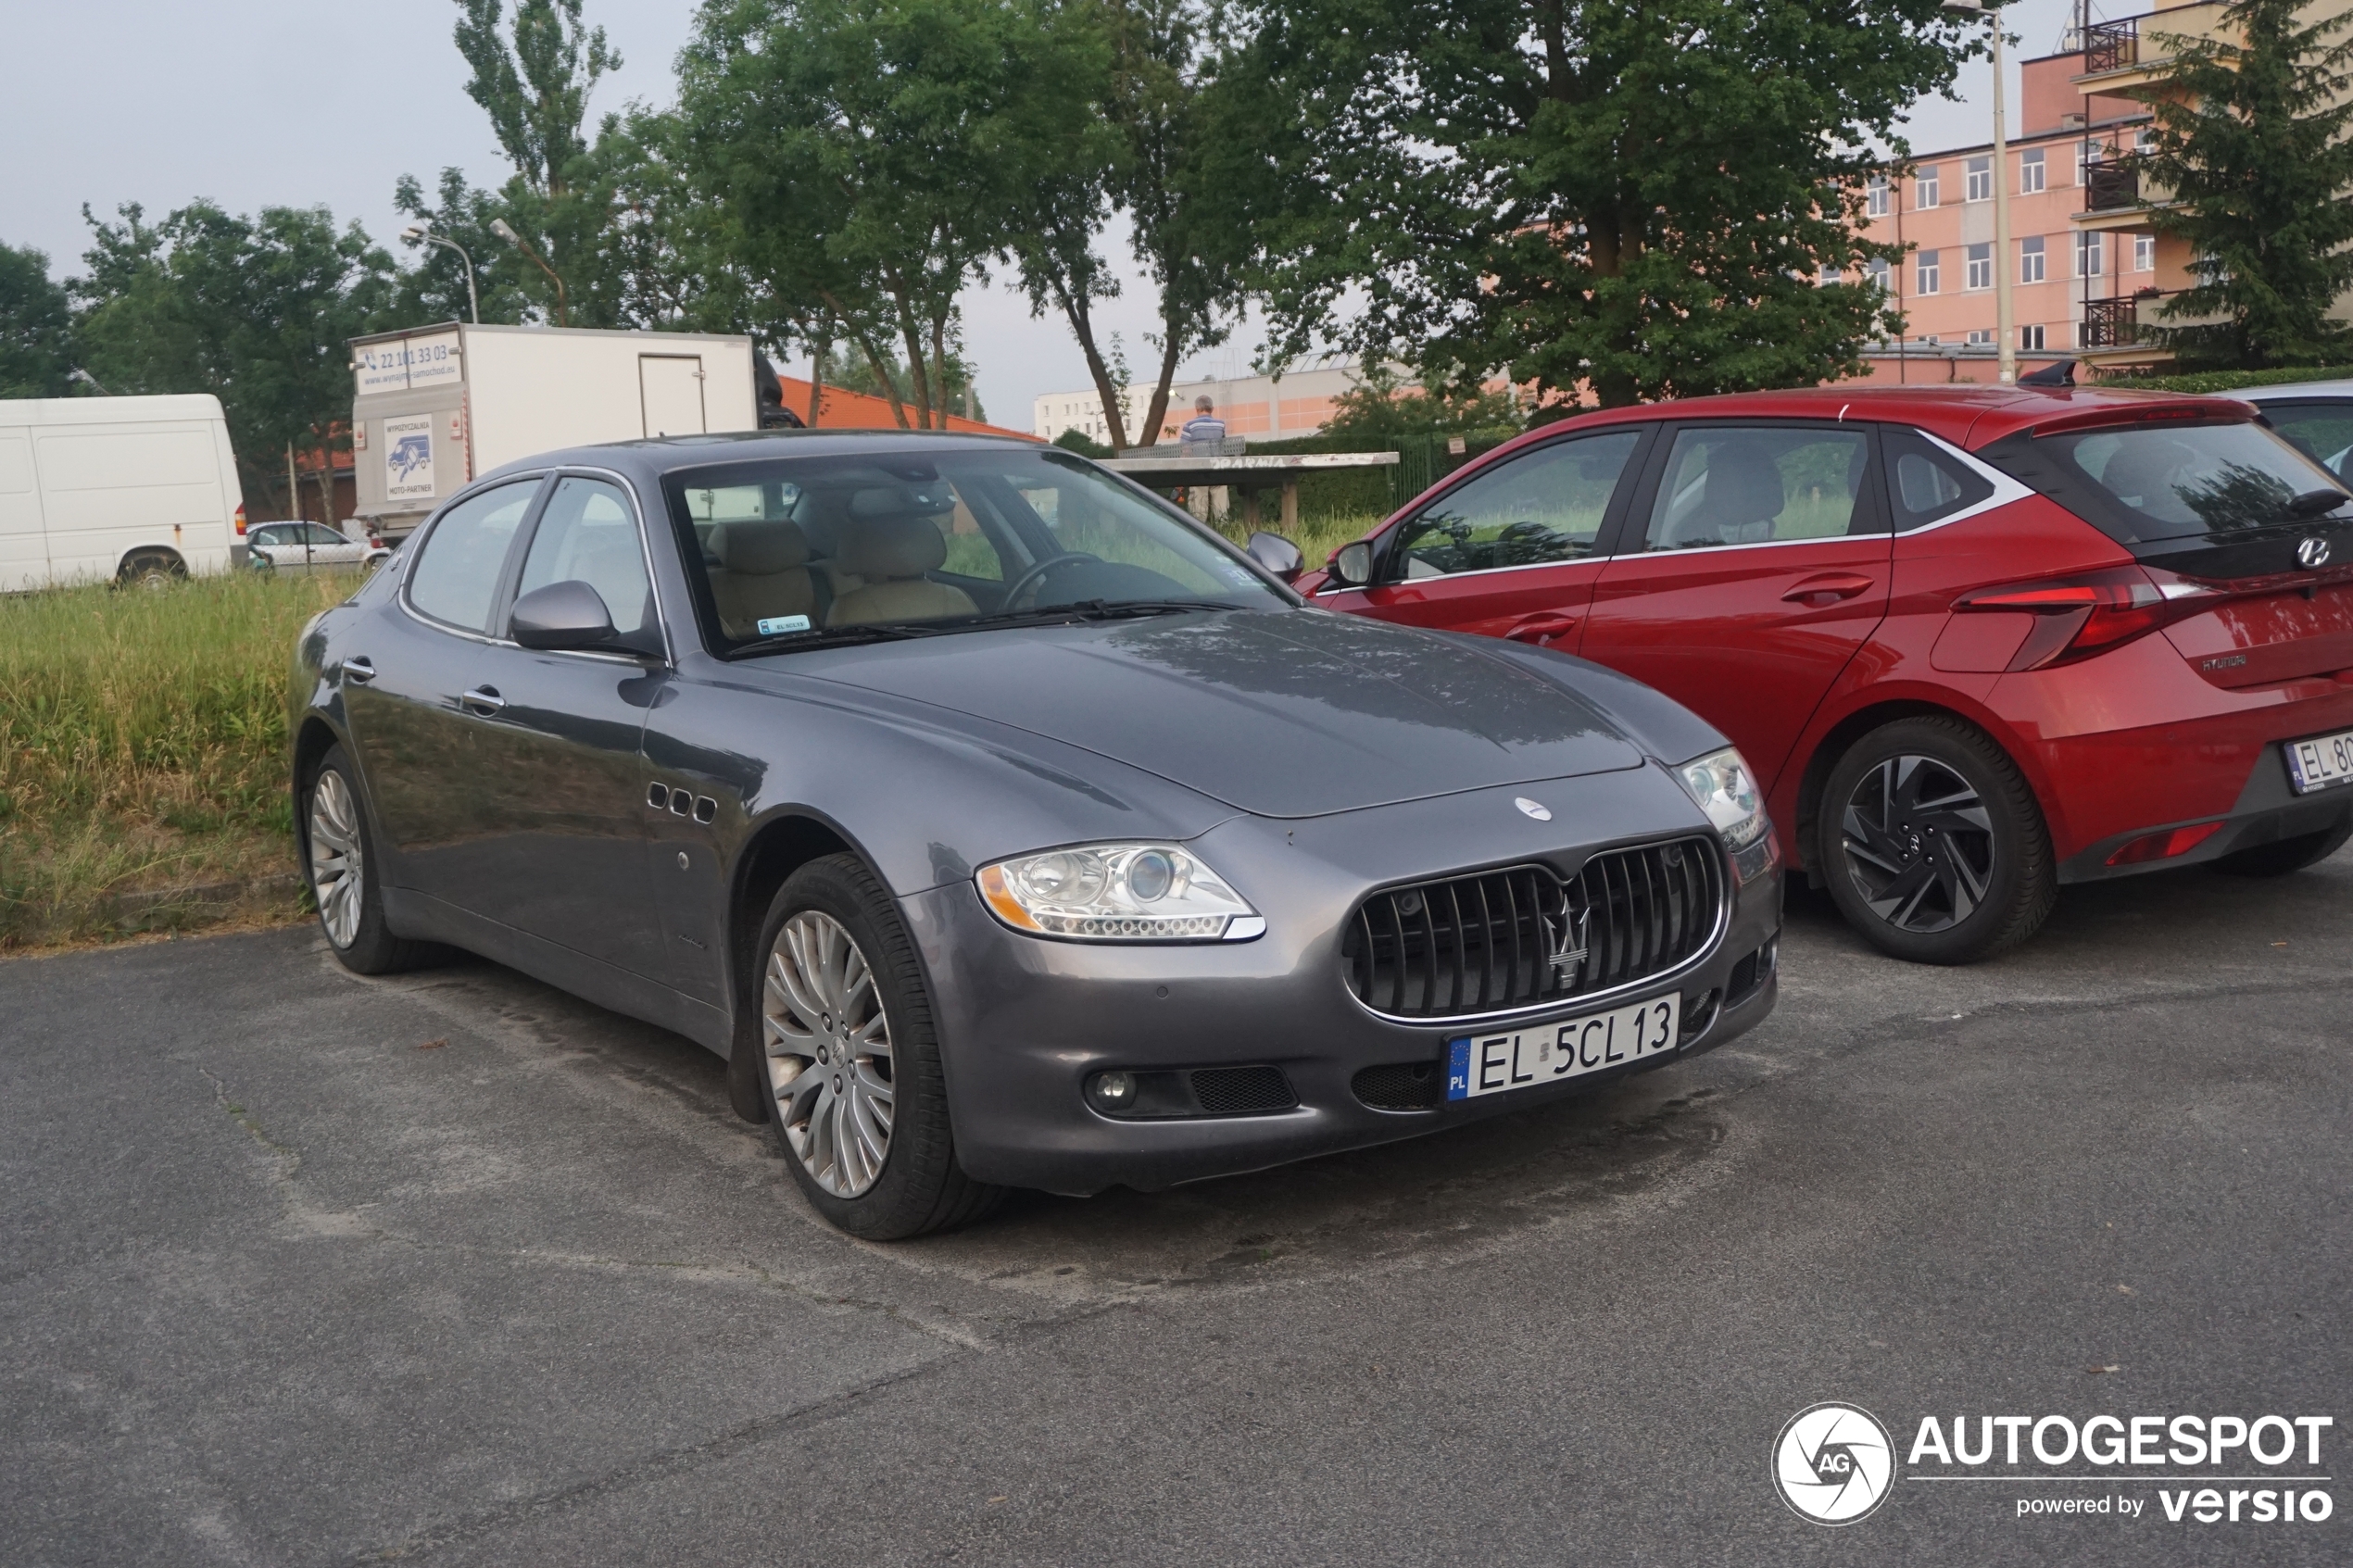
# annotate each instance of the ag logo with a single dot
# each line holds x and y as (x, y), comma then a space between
(1834, 1463)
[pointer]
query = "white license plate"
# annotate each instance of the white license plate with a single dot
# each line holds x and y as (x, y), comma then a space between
(1504, 1059)
(2320, 762)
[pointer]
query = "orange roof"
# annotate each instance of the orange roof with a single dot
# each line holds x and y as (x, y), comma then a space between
(843, 409)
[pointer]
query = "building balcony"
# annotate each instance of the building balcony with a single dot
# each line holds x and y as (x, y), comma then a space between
(2111, 46)
(2116, 328)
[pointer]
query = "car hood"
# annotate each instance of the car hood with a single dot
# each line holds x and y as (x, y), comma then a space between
(1293, 713)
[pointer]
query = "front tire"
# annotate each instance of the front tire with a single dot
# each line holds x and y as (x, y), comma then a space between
(2287, 855)
(339, 854)
(851, 1058)
(1934, 846)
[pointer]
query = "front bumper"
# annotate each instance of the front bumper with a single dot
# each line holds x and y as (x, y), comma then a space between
(1023, 1021)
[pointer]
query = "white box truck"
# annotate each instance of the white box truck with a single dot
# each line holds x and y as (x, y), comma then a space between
(135, 489)
(434, 407)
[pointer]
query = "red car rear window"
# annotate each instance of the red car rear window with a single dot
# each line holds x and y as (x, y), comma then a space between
(2147, 484)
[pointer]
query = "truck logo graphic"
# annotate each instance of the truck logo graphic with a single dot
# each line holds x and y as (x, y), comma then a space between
(409, 454)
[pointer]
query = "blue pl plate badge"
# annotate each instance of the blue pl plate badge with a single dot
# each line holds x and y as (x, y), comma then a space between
(1458, 1069)
(775, 625)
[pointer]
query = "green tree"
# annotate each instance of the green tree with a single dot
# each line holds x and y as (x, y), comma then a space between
(256, 312)
(37, 327)
(867, 157)
(1378, 411)
(1635, 195)
(533, 79)
(2251, 147)
(433, 289)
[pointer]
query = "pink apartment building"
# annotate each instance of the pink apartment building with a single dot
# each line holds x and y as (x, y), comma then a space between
(2084, 267)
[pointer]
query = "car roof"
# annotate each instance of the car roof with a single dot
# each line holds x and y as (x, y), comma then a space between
(653, 458)
(2293, 390)
(1967, 416)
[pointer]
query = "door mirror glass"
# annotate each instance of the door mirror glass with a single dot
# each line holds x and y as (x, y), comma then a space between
(1536, 507)
(1353, 567)
(569, 615)
(1277, 554)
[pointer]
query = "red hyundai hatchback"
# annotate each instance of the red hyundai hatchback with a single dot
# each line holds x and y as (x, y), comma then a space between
(1974, 642)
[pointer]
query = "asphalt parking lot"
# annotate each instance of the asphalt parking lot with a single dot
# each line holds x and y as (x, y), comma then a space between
(306, 1269)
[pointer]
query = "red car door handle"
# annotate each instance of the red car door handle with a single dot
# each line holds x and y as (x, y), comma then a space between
(1828, 588)
(1542, 628)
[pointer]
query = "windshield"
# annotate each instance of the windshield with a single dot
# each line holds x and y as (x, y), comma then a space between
(804, 551)
(2141, 484)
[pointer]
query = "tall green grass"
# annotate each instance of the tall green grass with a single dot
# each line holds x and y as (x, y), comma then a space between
(142, 743)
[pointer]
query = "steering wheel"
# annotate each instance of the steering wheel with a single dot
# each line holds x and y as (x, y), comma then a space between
(1037, 574)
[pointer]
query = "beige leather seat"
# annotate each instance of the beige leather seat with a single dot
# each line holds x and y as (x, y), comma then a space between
(762, 574)
(890, 555)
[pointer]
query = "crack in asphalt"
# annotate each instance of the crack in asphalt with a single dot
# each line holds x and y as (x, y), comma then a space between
(653, 1467)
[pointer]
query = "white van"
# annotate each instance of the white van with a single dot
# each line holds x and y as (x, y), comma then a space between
(135, 489)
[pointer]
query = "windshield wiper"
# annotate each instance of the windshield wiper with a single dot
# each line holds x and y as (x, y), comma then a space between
(834, 638)
(1096, 610)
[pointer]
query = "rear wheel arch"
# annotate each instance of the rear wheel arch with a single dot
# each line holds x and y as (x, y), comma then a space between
(137, 565)
(1834, 744)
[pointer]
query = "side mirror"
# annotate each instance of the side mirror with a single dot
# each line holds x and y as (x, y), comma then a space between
(1353, 567)
(1277, 554)
(562, 616)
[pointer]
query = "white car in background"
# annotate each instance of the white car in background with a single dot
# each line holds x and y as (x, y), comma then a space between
(309, 546)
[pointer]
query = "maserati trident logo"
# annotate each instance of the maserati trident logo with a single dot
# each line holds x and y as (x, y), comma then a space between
(1533, 809)
(2312, 552)
(1568, 942)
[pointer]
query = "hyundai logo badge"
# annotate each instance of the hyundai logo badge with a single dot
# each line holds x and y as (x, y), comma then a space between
(2312, 552)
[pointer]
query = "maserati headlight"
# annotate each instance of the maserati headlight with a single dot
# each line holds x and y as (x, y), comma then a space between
(1727, 791)
(1119, 893)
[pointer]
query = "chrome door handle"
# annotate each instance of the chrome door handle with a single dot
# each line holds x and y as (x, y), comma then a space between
(483, 700)
(359, 668)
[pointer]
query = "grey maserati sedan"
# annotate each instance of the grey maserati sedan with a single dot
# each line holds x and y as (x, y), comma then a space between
(1003, 826)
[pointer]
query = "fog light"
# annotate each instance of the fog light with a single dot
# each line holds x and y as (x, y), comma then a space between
(1111, 1091)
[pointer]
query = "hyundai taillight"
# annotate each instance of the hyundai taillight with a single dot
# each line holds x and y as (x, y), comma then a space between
(2092, 611)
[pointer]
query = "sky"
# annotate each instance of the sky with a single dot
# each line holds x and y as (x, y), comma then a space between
(263, 103)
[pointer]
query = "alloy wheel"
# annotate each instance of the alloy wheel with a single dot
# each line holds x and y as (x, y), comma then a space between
(1919, 843)
(828, 1047)
(337, 863)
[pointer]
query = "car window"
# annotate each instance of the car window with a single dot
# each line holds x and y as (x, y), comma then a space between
(2174, 481)
(457, 575)
(266, 536)
(788, 546)
(1926, 483)
(588, 535)
(1539, 506)
(316, 534)
(2323, 432)
(1754, 484)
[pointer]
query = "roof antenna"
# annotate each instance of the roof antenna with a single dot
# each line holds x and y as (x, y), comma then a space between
(2058, 372)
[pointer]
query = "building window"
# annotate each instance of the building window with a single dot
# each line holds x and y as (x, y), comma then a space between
(2091, 256)
(1925, 275)
(1875, 196)
(2144, 253)
(2030, 337)
(1978, 180)
(2030, 259)
(2144, 142)
(2030, 172)
(1981, 337)
(2083, 156)
(1980, 267)
(1879, 273)
(1924, 187)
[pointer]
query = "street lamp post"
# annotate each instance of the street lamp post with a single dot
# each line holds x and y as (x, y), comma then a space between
(505, 231)
(2005, 332)
(416, 232)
